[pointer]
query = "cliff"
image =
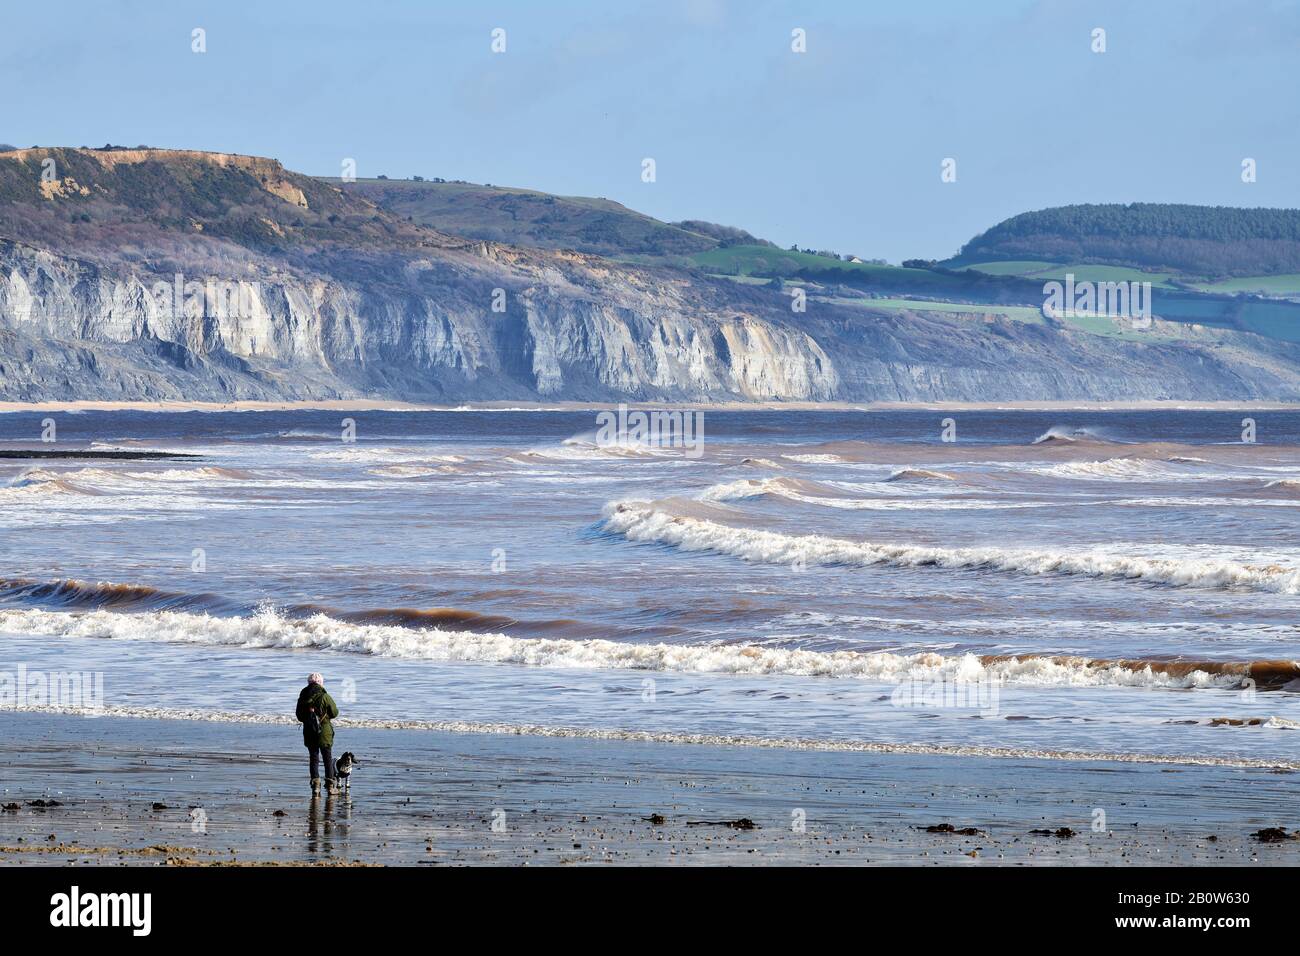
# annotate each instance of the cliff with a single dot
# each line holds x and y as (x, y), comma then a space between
(157, 274)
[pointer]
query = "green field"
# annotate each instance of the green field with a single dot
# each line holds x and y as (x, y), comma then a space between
(1094, 325)
(1015, 267)
(931, 291)
(530, 218)
(767, 261)
(741, 280)
(1283, 285)
(1278, 285)
(1112, 328)
(1082, 272)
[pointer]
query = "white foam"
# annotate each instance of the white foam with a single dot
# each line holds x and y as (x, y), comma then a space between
(697, 739)
(1285, 484)
(407, 471)
(1215, 501)
(1281, 723)
(92, 478)
(370, 456)
(1132, 469)
(740, 490)
(580, 449)
(816, 459)
(268, 629)
(302, 433)
(643, 521)
(1065, 434)
(204, 473)
(1064, 629)
(780, 487)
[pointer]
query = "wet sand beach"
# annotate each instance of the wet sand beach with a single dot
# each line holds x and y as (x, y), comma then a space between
(172, 792)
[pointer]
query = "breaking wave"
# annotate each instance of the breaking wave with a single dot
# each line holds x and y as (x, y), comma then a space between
(1270, 723)
(919, 474)
(410, 471)
(1286, 485)
(816, 459)
(380, 456)
(1059, 434)
(580, 449)
(38, 482)
(827, 496)
(446, 634)
(642, 521)
(740, 490)
(1134, 469)
(73, 595)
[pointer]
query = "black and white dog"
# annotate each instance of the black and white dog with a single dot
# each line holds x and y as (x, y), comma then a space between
(343, 768)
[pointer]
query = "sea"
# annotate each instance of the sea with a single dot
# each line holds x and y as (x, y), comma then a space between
(1095, 585)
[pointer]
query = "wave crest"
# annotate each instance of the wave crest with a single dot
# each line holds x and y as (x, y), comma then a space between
(643, 521)
(1067, 435)
(431, 641)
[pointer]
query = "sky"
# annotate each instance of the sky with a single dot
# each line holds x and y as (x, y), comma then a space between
(838, 147)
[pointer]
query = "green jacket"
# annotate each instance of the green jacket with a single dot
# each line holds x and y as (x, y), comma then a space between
(315, 696)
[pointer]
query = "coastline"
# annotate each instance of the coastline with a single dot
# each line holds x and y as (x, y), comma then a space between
(122, 791)
(674, 739)
(395, 405)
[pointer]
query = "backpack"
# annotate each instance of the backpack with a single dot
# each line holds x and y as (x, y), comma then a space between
(313, 722)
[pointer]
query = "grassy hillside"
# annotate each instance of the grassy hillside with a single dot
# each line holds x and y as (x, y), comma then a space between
(1209, 242)
(525, 217)
(1281, 286)
(986, 280)
(767, 261)
(149, 204)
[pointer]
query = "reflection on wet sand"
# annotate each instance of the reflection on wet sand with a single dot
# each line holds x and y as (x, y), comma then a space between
(328, 820)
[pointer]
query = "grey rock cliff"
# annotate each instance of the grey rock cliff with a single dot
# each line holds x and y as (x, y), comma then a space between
(290, 289)
(71, 329)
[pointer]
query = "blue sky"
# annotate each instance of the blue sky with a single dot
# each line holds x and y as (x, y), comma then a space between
(839, 147)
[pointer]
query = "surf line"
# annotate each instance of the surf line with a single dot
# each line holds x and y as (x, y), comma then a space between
(710, 740)
(659, 428)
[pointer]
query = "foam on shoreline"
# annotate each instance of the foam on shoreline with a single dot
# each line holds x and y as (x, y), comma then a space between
(670, 737)
(447, 634)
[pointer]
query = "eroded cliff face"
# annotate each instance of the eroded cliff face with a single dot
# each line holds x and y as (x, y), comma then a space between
(416, 334)
(151, 275)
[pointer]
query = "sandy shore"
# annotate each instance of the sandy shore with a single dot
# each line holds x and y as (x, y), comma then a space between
(130, 791)
(367, 405)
